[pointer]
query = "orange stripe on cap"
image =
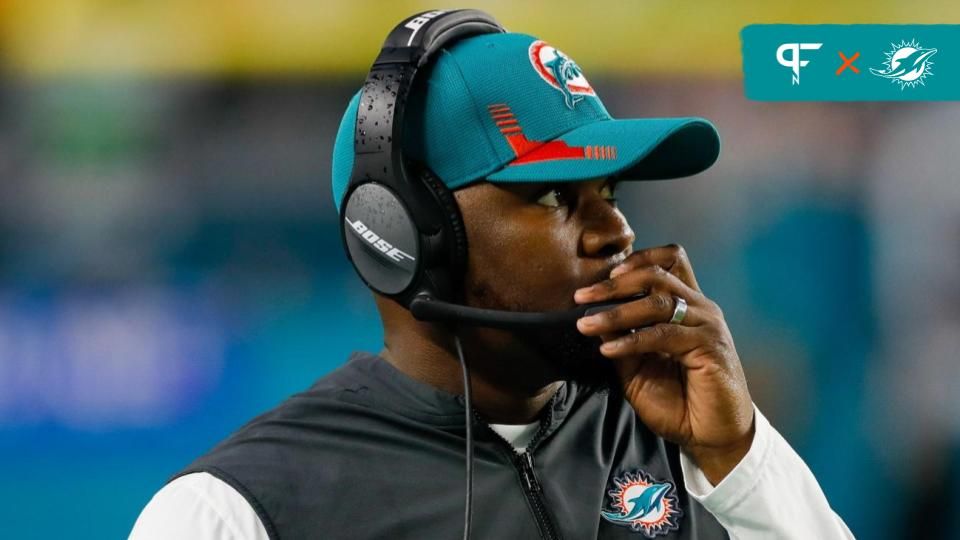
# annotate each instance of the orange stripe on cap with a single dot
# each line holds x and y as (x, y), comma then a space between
(533, 151)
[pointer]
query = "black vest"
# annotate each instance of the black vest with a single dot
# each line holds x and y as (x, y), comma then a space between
(367, 452)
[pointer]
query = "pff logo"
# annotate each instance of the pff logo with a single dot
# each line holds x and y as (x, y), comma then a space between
(794, 62)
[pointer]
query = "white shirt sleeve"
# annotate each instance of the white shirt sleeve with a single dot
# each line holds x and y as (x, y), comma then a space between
(198, 506)
(771, 493)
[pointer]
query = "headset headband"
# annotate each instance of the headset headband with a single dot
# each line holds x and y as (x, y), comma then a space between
(378, 137)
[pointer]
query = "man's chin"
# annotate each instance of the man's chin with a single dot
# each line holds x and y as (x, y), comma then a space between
(576, 357)
(570, 354)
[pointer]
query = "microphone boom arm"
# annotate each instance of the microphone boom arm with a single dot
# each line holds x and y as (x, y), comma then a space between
(425, 308)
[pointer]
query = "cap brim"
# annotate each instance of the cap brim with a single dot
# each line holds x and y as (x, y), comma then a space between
(629, 149)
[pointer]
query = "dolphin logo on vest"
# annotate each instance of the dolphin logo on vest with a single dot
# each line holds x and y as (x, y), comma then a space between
(643, 504)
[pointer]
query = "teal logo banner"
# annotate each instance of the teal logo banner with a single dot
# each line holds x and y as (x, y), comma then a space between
(857, 62)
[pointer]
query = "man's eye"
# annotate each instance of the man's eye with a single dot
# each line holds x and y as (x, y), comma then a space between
(552, 197)
(607, 193)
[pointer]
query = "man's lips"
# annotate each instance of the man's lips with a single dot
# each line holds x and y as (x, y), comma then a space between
(604, 272)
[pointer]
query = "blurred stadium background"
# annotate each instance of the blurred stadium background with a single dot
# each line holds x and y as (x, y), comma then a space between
(170, 265)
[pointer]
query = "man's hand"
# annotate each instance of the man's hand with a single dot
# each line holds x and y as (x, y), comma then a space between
(684, 380)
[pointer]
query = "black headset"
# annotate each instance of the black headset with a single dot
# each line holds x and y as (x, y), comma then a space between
(401, 226)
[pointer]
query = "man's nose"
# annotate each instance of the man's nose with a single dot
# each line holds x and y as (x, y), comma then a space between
(606, 232)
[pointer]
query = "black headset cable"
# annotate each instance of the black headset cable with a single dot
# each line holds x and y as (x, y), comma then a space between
(468, 404)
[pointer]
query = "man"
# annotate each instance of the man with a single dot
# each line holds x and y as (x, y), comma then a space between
(653, 434)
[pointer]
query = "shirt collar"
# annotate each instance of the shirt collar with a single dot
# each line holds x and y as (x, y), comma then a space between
(389, 388)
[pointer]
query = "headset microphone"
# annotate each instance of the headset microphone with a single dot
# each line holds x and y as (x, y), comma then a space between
(426, 308)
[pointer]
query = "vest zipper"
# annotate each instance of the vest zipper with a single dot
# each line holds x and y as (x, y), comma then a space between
(523, 462)
(534, 493)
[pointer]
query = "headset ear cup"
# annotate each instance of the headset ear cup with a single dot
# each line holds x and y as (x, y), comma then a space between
(381, 238)
(453, 223)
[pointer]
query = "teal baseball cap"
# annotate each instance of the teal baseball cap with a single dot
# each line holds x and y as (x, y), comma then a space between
(508, 107)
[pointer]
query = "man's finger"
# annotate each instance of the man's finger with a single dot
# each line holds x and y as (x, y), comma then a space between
(652, 309)
(672, 257)
(673, 339)
(643, 280)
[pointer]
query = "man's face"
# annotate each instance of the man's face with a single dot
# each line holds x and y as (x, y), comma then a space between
(530, 247)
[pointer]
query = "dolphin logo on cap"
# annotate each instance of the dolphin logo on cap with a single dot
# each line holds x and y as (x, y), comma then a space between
(565, 70)
(560, 72)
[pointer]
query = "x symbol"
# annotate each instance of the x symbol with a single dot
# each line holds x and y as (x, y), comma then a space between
(848, 62)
